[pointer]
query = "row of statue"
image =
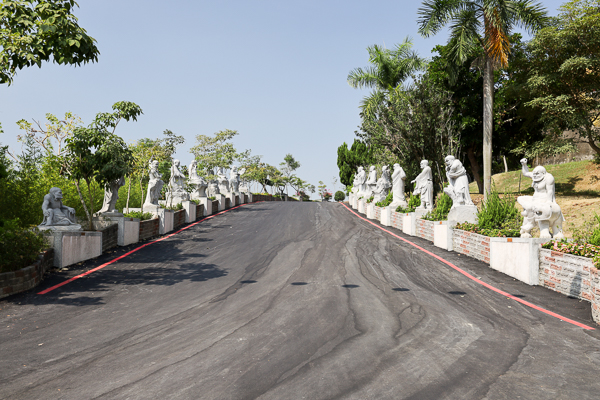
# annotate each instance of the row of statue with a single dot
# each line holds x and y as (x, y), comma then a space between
(540, 209)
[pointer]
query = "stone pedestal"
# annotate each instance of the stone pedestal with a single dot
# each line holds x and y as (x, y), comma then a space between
(174, 198)
(409, 223)
(221, 199)
(190, 211)
(460, 214)
(442, 235)
(129, 228)
(207, 203)
(73, 247)
(386, 216)
(361, 206)
(419, 212)
(167, 219)
(517, 257)
(232, 199)
(371, 210)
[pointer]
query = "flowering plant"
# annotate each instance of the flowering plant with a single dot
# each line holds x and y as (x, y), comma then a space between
(577, 249)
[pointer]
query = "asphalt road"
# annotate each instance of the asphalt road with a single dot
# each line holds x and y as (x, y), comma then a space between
(292, 301)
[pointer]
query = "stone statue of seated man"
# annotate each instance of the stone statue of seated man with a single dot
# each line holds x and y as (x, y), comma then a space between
(541, 207)
(55, 212)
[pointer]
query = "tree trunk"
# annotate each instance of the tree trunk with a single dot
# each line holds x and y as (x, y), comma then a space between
(91, 196)
(593, 145)
(87, 213)
(475, 168)
(488, 104)
(141, 196)
(128, 193)
(505, 164)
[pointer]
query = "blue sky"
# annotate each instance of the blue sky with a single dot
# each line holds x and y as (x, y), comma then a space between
(275, 71)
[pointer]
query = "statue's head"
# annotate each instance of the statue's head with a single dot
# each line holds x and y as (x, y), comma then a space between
(372, 168)
(154, 164)
(384, 168)
(396, 166)
(234, 169)
(538, 173)
(193, 163)
(424, 163)
(176, 163)
(449, 160)
(56, 193)
(360, 169)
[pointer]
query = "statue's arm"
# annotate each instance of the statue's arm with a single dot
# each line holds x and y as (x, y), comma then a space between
(45, 205)
(550, 188)
(525, 169)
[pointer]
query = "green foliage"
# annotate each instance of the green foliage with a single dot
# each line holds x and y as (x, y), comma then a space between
(413, 203)
(32, 31)
(213, 198)
(387, 201)
(498, 217)
(349, 160)
(441, 210)
(143, 216)
(370, 199)
(339, 196)
(214, 151)
(19, 247)
(175, 207)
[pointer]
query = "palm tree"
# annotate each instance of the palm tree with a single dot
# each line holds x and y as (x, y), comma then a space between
(482, 24)
(390, 68)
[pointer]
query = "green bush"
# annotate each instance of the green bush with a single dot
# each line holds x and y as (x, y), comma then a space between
(498, 218)
(339, 196)
(413, 203)
(370, 199)
(19, 247)
(441, 210)
(138, 214)
(387, 201)
(175, 207)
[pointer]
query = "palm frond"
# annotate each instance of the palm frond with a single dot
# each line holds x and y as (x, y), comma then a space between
(434, 14)
(529, 15)
(464, 35)
(360, 78)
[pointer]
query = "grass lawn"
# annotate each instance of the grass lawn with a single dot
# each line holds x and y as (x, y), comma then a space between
(577, 191)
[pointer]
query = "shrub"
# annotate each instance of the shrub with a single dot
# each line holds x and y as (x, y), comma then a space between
(441, 210)
(339, 196)
(498, 218)
(175, 207)
(577, 249)
(413, 203)
(327, 195)
(138, 214)
(302, 195)
(387, 201)
(370, 199)
(19, 247)
(213, 198)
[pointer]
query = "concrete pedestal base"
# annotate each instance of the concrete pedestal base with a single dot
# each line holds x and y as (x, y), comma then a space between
(361, 206)
(442, 235)
(129, 228)
(221, 199)
(386, 216)
(419, 212)
(190, 211)
(166, 220)
(73, 247)
(460, 214)
(207, 203)
(409, 223)
(517, 257)
(371, 210)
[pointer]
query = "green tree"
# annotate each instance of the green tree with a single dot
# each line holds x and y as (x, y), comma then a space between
(32, 31)
(214, 151)
(350, 159)
(96, 154)
(565, 71)
(481, 24)
(287, 168)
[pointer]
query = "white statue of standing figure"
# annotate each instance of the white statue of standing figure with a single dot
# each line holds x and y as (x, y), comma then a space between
(176, 193)
(197, 182)
(234, 180)
(222, 181)
(244, 186)
(155, 185)
(398, 177)
(56, 214)
(371, 182)
(541, 207)
(361, 178)
(111, 195)
(383, 185)
(424, 186)
(458, 183)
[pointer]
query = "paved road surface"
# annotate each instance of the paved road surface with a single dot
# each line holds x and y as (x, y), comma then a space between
(292, 301)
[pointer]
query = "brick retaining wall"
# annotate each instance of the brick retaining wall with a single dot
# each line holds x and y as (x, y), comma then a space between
(215, 206)
(397, 220)
(595, 292)
(378, 213)
(26, 278)
(149, 228)
(110, 237)
(199, 211)
(424, 229)
(227, 203)
(178, 218)
(566, 273)
(472, 245)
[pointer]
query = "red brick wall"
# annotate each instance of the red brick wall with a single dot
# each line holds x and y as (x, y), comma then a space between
(424, 229)
(566, 273)
(178, 218)
(397, 220)
(28, 277)
(110, 237)
(472, 245)
(149, 228)
(595, 292)
(378, 213)
(199, 211)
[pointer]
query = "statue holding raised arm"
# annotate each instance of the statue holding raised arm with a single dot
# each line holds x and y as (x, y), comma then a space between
(541, 207)
(424, 187)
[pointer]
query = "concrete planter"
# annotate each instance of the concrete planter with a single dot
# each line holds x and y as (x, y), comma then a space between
(361, 206)
(517, 257)
(472, 245)
(386, 216)
(442, 235)
(409, 223)
(378, 213)
(166, 220)
(595, 292)
(221, 199)
(190, 211)
(26, 278)
(397, 219)
(370, 210)
(424, 229)
(207, 203)
(149, 228)
(73, 247)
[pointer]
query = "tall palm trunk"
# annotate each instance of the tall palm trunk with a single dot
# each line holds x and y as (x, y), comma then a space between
(488, 104)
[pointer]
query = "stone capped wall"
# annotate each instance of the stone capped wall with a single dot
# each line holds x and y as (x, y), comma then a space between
(472, 245)
(149, 228)
(566, 273)
(110, 237)
(26, 278)
(424, 229)
(397, 220)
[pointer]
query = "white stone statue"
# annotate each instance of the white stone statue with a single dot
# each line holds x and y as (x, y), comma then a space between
(361, 179)
(222, 181)
(234, 180)
(458, 183)
(177, 192)
(244, 184)
(355, 184)
(398, 178)
(383, 186)
(213, 188)
(56, 214)
(541, 207)
(371, 182)
(424, 187)
(197, 182)
(111, 195)
(155, 185)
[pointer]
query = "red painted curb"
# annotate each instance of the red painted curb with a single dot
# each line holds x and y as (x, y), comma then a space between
(138, 248)
(503, 293)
